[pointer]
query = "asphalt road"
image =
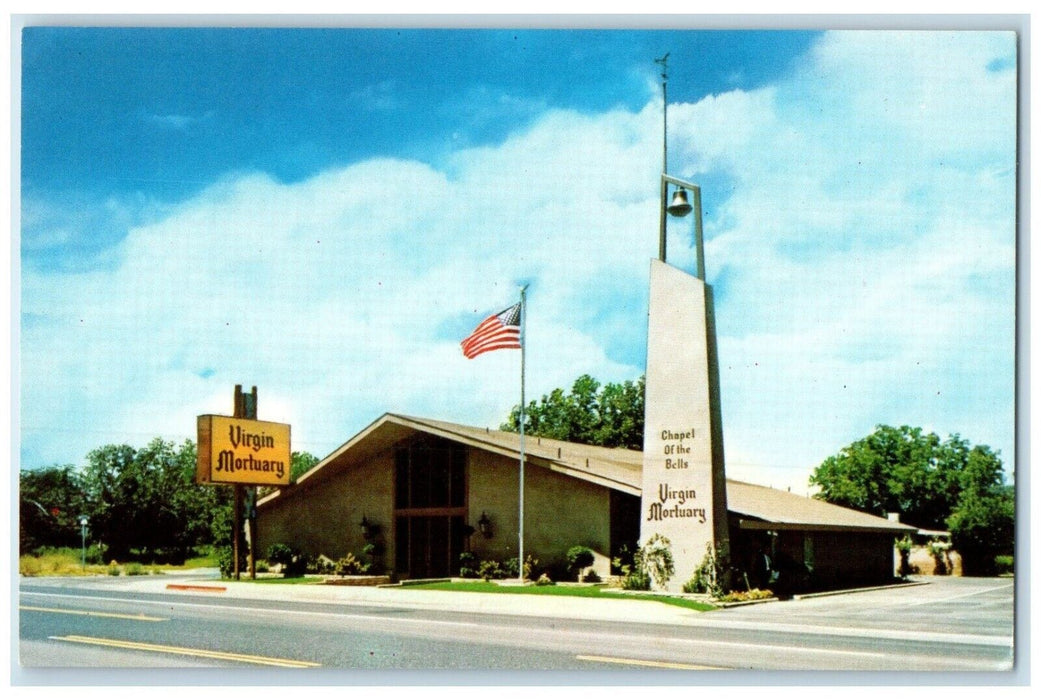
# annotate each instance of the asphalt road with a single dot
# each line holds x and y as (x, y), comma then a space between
(74, 628)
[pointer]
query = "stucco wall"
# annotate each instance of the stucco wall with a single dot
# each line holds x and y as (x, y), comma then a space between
(559, 512)
(324, 517)
(924, 563)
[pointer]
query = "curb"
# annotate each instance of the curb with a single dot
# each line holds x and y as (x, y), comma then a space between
(743, 603)
(824, 594)
(413, 582)
(196, 588)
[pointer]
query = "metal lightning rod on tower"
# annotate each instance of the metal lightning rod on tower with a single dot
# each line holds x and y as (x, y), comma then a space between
(680, 207)
(664, 63)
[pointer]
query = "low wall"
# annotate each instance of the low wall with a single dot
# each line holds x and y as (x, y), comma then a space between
(357, 580)
(923, 563)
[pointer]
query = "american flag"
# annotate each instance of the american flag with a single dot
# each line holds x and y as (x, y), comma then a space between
(499, 331)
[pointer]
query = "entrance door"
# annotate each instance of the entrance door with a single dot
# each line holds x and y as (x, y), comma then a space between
(429, 507)
(428, 546)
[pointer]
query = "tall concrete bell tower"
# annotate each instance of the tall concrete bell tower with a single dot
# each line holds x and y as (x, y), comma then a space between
(684, 480)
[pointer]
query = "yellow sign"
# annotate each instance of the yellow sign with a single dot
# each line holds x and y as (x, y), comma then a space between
(242, 451)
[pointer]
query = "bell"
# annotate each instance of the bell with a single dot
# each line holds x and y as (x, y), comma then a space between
(680, 206)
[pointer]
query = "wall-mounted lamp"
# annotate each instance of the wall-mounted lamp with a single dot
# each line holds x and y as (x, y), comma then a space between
(368, 530)
(485, 525)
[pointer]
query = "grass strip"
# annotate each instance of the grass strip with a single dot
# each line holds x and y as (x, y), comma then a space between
(572, 591)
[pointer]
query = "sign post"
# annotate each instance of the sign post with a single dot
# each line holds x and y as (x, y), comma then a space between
(245, 407)
(244, 452)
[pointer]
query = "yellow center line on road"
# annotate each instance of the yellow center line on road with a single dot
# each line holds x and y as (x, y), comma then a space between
(653, 664)
(184, 651)
(92, 613)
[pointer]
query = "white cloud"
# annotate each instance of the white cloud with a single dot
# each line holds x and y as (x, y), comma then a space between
(864, 263)
(340, 297)
(176, 122)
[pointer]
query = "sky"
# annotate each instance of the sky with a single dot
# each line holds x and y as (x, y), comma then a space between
(326, 213)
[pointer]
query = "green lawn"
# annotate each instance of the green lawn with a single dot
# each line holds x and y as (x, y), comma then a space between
(291, 581)
(574, 591)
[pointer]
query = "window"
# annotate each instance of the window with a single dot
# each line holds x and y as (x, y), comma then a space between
(430, 474)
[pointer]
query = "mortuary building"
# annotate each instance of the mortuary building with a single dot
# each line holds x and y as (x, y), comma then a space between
(426, 491)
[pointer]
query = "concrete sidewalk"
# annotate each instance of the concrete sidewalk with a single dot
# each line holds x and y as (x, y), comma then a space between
(641, 610)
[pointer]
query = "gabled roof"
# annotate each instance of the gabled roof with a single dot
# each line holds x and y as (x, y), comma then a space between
(759, 507)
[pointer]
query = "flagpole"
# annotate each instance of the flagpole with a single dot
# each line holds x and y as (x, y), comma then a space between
(520, 536)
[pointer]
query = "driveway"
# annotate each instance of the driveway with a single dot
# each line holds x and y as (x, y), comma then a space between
(940, 605)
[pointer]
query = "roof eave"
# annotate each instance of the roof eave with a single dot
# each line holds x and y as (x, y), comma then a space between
(764, 525)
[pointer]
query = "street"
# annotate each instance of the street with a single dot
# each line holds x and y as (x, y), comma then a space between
(74, 627)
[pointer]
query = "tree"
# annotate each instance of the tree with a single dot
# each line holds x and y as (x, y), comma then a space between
(610, 416)
(50, 503)
(982, 524)
(301, 463)
(932, 484)
(141, 503)
(899, 470)
(145, 503)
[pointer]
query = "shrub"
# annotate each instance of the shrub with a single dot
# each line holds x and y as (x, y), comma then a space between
(744, 596)
(321, 565)
(591, 577)
(1004, 564)
(29, 566)
(134, 569)
(467, 565)
(350, 565)
(279, 553)
(622, 563)
(293, 563)
(373, 550)
(113, 569)
(578, 558)
(903, 546)
(51, 562)
(939, 551)
(544, 580)
(633, 577)
(490, 569)
(655, 558)
(707, 577)
(508, 568)
(226, 561)
(636, 580)
(297, 567)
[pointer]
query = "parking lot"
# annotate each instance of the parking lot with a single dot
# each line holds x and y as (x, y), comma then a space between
(939, 605)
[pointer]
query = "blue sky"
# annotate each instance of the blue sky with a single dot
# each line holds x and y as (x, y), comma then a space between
(326, 213)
